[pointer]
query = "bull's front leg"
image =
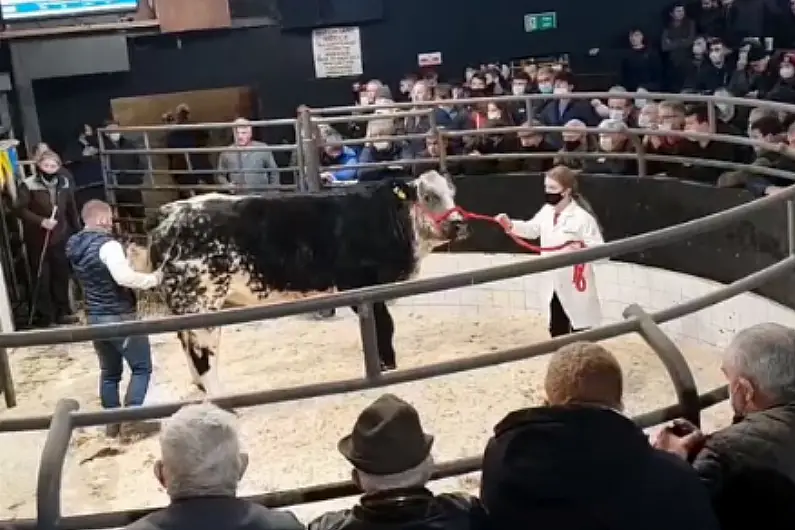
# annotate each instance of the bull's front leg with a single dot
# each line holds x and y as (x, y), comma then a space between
(202, 349)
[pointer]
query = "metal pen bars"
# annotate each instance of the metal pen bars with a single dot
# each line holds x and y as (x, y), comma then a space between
(308, 142)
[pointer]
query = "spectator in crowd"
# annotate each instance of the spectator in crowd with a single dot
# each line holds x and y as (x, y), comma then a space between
(712, 74)
(380, 149)
(86, 167)
(491, 143)
(406, 86)
(672, 118)
(433, 150)
(697, 121)
(420, 94)
(448, 114)
(614, 139)
(782, 26)
(545, 80)
(531, 142)
(677, 43)
(755, 74)
(741, 19)
(46, 204)
(709, 19)
(188, 169)
(728, 115)
(648, 116)
(641, 66)
(578, 462)
(477, 85)
(784, 89)
(334, 154)
(200, 467)
(575, 142)
(621, 109)
(558, 112)
(249, 168)
(693, 68)
(100, 265)
(392, 464)
(520, 86)
(766, 129)
(126, 169)
(759, 365)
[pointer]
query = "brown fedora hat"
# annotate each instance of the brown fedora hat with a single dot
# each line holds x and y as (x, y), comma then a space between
(387, 438)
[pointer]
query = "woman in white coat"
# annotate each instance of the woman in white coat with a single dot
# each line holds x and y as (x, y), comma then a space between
(565, 217)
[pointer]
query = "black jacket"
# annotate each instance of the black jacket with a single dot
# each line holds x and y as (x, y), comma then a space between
(763, 440)
(411, 509)
(586, 468)
(35, 202)
(217, 513)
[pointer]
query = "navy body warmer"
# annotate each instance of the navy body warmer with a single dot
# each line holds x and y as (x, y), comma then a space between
(102, 294)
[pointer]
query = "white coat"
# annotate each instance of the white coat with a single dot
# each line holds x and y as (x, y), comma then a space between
(573, 224)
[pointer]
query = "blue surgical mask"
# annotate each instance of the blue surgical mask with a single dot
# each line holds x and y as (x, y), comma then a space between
(545, 88)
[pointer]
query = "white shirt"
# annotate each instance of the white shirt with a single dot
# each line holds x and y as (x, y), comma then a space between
(112, 255)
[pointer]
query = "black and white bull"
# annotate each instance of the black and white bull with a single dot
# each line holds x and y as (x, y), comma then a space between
(219, 251)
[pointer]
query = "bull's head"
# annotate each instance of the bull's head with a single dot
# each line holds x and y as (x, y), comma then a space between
(435, 220)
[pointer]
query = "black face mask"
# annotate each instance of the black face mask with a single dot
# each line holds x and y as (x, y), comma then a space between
(553, 198)
(477, 92)
(572, 146)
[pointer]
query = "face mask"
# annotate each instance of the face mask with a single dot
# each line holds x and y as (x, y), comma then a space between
(787, 72)
(716, 57)
(518, 90)
(644, 121)
(477, 92)
(616, 114)
(115, 137)
(571, 145)
(606, 144)
(665, 127)
(381, 146)
(640, 103)
(553, 198)
(561, 90)
(699, 49)
(494, 116)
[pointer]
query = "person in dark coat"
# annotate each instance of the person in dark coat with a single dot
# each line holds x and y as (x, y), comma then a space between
(531, 142)
(200, 466)
(125, 170)
(46, 204)
(428, 158)
(558, 112)
(641, 66)
(190, 169)
(580, 464)
(392, 464)
(85, 166)
(758, 364)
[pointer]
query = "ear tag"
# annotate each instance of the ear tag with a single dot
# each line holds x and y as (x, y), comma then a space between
(400, 193)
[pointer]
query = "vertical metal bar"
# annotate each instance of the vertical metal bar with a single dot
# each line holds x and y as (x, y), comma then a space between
(712, 117)
(300, 175)
(640, 149)
(791, 226)
(104, 161)
(149, 164)
(7, 326)
(372, 362)
(7, 380)
(310, 143)
(673, 361)
(48, 487)
(26, 97)
(528, 108)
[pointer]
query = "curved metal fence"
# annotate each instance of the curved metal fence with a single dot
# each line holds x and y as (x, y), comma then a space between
(689, 402)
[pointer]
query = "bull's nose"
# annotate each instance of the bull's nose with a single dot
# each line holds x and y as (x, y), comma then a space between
(460, 229)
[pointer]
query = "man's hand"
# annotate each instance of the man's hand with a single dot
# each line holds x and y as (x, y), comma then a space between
(681, 439)
(49, 224)
(326, 177)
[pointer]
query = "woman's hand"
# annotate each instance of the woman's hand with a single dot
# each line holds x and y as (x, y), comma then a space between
(504, 221)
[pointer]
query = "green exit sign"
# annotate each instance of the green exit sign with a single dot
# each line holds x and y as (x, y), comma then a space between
(540, 21)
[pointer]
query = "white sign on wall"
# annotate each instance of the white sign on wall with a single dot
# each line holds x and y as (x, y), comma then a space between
(337, 52)
(429, 59)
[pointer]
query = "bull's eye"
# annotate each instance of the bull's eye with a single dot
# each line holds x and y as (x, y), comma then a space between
(429, 198)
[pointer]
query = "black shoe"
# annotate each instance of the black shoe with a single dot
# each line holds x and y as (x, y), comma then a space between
(67, 320)
(386, 367)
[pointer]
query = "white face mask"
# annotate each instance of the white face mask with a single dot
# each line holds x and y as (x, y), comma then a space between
(640, 103)
(561, 90)
(518, 90)
(666, 127)
(381, 146)
(644, 121)
(716, 57)
(786, 72)
(494, 115)
(699, 49)
(606, 144)
(616, 114)
(115, 137)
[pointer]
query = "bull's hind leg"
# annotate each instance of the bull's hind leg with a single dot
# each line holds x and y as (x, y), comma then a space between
(384, 331)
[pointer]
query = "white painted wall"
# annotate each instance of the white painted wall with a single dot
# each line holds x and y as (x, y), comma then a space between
(619, 285)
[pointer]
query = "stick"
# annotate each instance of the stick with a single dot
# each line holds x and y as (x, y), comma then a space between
(43, 254)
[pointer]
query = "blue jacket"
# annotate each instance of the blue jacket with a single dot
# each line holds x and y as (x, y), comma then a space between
(347, 157)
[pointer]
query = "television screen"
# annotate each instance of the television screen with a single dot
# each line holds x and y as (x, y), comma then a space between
(17, 10)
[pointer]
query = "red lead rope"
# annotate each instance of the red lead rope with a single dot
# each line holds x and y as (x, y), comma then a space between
(579, 270)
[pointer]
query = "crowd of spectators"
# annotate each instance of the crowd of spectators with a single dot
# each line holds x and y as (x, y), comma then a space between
(574, 462)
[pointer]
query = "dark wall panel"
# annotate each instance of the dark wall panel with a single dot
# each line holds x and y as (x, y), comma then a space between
(279, 63)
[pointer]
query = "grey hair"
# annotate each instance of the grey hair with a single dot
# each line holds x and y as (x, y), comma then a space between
(765, 354)
(610, 125)
(200, 451)
(380, 128)
(416, 477)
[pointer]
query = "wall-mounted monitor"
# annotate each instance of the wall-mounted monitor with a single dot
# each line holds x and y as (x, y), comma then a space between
(20, 10)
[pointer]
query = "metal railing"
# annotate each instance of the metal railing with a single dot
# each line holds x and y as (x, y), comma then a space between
(689, 402)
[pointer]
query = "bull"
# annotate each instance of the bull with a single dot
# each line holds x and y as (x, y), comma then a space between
(217, 251)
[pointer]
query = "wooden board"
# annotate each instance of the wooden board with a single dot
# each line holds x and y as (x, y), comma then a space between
(192, 15)
(217, 105)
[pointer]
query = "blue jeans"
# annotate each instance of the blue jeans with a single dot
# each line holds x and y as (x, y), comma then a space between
(138, 354)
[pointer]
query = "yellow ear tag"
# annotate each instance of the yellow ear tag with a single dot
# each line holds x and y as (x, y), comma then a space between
(400, 193)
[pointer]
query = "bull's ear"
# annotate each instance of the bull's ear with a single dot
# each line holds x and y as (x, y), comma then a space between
(405, 191)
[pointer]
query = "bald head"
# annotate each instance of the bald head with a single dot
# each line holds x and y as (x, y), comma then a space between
(97, 214)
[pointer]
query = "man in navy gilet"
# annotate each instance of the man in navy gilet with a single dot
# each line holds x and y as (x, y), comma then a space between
(100, 264)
